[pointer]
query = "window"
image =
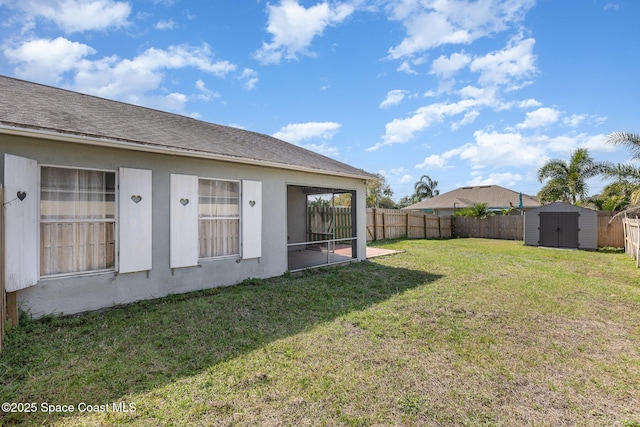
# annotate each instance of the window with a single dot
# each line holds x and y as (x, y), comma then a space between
(77, 220)
(213, 218)
(218, 218)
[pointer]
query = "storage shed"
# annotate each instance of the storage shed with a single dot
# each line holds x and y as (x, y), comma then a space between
(561, 225)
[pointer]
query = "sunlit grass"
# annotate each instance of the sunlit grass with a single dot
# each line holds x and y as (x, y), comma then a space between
(450, 332)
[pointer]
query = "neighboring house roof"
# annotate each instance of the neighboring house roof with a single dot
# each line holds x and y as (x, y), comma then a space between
(33, 109)
(495, 196)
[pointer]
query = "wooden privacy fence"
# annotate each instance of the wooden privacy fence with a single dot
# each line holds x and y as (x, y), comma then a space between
(511, 227)
(504, 227)
(328, 223)
(396, 224)
(632, 238)
(610, 230)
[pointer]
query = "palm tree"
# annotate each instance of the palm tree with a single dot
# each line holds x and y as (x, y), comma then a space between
(425, 188)
(627, 176)
(567, 181)
(478, 210)
(628, 140)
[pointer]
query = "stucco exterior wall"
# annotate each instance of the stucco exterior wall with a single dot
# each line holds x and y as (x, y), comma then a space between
(296, 216)
(85, 292)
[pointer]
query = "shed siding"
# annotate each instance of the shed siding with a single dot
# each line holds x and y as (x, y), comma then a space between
(531, 231)
(588, 234)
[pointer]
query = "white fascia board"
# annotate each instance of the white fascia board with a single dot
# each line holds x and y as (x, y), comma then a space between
(159, 149)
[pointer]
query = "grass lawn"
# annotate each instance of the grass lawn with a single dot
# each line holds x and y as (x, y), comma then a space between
(449, 332)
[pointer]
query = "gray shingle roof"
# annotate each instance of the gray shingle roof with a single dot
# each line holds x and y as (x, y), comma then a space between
(36, 107)
(497, 197)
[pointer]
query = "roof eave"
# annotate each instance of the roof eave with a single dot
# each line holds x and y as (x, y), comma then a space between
(160, 149)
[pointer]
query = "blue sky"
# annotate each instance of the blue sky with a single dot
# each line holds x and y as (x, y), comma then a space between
(467, 92)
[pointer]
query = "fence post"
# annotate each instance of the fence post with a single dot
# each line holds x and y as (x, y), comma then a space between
(424, 221)
(407, 227)
(375, 224)
(384, 227)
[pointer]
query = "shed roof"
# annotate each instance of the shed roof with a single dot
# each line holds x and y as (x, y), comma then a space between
(53, 113)
(495, 196)
(562, 207)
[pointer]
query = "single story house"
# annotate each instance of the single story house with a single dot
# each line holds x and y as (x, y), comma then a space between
(106, 203)
(498, 198)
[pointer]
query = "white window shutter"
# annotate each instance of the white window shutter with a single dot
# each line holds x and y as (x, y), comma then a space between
(183, 211)
(21, 221)
(251, 219)
(134, 220)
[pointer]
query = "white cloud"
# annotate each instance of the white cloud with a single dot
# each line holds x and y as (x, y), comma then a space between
(563, 145)
(298, 132)
(468, 118)
(508, 66)
(596, 143)
(400, 131)
(434, 161)
(394, 97)
(293, 27)
(205, 94)
(438, 161)
(495, 149)
(76, 15)
(45, 60)
(405, 67)
(250, 78)
(405, 179)
(574, 120)
(130, 79)
(447, 66)
(541, 117)
(171, 102)
(505, 179)
(434, 23)
(165, 25)
(529, 103)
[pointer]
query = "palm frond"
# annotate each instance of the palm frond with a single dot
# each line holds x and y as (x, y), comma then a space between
(627, 139)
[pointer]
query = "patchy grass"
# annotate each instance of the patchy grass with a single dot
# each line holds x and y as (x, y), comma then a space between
(450, 332)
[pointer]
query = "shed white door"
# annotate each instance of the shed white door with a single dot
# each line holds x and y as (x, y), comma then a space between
(22, 216)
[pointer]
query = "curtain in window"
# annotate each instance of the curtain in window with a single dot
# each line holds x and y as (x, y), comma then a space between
(77, 220)
(219, 218)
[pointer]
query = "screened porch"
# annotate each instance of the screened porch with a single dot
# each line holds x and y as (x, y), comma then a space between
(320, 226)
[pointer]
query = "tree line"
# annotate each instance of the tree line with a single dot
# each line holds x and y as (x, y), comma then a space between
(566, 181)
(379, 193)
